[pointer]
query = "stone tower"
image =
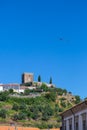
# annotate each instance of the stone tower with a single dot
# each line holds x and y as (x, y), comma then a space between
(27, 78)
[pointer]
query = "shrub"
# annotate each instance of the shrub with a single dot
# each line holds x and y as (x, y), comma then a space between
(44, 87)
(3, 113)
(4, 96)
(26, 92)
(51, 96)
(63, 104)
(15, 107)
(22, 106)
(15, 117)
(60, 109)
(47, 113)
(56, 109)
(78, 100)
(21, 116)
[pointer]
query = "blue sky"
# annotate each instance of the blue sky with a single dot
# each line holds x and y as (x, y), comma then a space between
(30, 41)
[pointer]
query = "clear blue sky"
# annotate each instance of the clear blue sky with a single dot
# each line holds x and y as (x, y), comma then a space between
(46, 37)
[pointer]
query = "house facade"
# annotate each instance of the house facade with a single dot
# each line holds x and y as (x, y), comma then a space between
(75, 118)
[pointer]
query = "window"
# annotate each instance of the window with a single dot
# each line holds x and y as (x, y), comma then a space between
(70, 124)
(64, 125)
(70, 127)
(84, 124)
(76, 123)
(84, 121)
(77, 126)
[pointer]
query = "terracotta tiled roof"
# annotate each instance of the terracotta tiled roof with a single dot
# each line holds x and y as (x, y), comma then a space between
(55, 129)
(17, 128)
(52, 129)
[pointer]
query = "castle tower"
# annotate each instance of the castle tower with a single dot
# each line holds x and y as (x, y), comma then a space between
(27, 77)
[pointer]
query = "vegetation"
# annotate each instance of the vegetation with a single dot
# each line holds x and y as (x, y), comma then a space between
(39, 78)
(78, 99)
(50, 82)
(38, 111)
(27, 91)
(27, 84)
(44, 87)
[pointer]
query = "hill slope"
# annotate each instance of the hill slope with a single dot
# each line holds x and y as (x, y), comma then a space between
(40, 111)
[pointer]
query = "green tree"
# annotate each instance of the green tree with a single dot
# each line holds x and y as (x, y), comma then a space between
(3, 113)
(61, 91)
(26, 91)
(51, 96)
(50, 82)
(29, 114)
(58, 118)
(22, 116)
(47, 113)
(61, 109)
(22, 106)
(11, 91)
(39, 78)
(4, 96)
(45, 116)
(78, 99)
(44, 87)
(63, 104)
(56, 109)
(34, 110)
(15, 107)
(15, 117)
(35, 114)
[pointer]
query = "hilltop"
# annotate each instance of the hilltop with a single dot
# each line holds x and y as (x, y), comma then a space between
(39, 107)
(34, 104)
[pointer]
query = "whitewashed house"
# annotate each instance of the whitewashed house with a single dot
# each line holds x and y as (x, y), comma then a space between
(75, 118)
(1, 88)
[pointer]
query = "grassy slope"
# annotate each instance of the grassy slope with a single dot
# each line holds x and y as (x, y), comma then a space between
(51, 98)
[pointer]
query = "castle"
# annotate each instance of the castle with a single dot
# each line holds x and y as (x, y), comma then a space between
(27, 77)
(27, 82)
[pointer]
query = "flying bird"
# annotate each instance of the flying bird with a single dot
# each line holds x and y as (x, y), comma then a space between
(61, 39)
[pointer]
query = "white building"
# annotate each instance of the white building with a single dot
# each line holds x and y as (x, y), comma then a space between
(1, 88)
(75, 118)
